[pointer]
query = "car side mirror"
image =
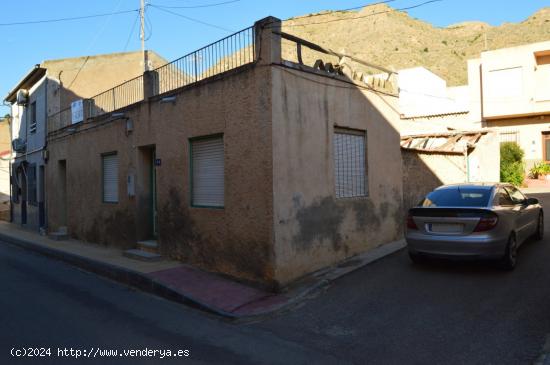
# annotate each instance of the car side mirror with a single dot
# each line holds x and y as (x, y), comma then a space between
(531, 201)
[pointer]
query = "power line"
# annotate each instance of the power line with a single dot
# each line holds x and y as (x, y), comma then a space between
(192, 19)
(342, 10)
(362, 16)
(149, 27)
(198, 6)
(94, 40)
(67, 19)
(131, 32)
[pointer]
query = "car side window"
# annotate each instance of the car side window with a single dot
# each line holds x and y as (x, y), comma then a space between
(516, 195)
(503, 198)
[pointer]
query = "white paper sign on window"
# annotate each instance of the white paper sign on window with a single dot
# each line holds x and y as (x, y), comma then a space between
(77, 110)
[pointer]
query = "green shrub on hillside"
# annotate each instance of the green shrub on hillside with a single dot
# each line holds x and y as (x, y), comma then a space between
(511, 163)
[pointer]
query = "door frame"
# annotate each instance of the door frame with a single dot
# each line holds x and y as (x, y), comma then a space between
(153, 192)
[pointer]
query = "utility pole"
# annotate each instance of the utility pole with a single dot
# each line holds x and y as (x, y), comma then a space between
(142, 36)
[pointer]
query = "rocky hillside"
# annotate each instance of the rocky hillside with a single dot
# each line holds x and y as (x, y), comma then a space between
(395, 40)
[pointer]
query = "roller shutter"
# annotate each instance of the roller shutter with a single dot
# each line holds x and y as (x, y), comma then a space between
(208, 172)
(110, 178)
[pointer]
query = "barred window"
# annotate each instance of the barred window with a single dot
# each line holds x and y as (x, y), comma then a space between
(350, 163)
(509, 136)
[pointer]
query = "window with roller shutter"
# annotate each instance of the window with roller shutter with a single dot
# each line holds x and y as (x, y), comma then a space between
(110, 177)
(350, 164)
(207, 172)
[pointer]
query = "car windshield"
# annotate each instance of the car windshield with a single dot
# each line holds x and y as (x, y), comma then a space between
(459, 197)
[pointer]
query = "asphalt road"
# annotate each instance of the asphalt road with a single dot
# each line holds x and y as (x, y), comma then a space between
(47, 304)
(389, 312)
(394, 312)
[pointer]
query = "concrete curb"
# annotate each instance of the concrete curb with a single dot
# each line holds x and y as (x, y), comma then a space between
(141, 281)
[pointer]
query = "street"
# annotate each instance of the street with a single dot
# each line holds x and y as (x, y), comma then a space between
(389, 312)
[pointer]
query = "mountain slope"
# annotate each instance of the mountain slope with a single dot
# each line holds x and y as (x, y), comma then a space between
(394, 40)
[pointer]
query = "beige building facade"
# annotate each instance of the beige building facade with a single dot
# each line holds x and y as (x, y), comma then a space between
(48, 89)
(265, 172)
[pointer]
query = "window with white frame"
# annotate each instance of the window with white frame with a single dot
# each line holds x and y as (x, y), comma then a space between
(207, 172)
(110, 177)
(542, 76)
(350, 163)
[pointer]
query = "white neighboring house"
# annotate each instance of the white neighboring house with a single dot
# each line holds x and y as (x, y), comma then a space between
(508, 91)
(428, 105)
(28, 135)
(515, 96)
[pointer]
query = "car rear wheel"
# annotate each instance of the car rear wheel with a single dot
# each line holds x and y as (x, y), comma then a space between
(510, 257)
(540, 228)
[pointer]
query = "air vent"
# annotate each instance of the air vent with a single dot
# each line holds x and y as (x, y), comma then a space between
(19, 145)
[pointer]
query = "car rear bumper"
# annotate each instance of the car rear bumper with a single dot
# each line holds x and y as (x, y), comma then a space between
(457, 247)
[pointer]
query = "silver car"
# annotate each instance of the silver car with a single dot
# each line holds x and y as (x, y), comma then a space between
(473, 220)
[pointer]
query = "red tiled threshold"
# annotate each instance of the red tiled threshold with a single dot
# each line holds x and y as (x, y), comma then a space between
(218, 292)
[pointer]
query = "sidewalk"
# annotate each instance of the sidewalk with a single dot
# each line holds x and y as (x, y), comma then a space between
(183, 283)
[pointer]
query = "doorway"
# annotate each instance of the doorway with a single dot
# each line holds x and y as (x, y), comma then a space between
(62, 180)
(147, 193)
(153, 192)
(41, 198)
(22, 179)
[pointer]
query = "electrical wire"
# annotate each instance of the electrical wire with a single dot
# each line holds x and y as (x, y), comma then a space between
(192, 19)
(68, 19)
(94, 41)
(342, 10)
(131, 32)
(359, 17)
(199, 6)
(149, 26)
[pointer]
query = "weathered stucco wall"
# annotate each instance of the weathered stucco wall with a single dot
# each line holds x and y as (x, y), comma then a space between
(236, 240)
(312, 228)
(484, 160)
(424, 171)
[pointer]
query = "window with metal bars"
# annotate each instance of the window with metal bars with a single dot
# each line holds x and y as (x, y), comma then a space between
(509, 136)
(350, 163)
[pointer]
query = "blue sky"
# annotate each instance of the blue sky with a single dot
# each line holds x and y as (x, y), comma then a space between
(26, 45)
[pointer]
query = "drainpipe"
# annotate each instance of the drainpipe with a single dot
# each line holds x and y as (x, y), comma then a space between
(467, 161)
(45, 144)
(9, 163)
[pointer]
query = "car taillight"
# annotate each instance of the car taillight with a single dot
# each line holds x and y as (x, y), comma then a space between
(410, 222)
(486, 223)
